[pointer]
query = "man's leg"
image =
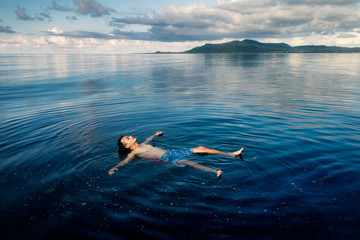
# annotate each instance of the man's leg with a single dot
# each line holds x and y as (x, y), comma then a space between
(201, 167)
(205, 150)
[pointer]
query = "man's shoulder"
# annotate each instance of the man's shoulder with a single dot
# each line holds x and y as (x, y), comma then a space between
(132, 153)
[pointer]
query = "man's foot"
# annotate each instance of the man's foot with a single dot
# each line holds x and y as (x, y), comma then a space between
(219, 173)
(238, 153)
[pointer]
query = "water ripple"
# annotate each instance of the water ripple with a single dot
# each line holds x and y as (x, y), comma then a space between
(62, 115)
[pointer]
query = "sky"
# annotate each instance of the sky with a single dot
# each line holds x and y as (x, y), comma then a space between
(140, 26)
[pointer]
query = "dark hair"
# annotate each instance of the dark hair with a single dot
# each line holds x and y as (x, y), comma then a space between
(122, 149)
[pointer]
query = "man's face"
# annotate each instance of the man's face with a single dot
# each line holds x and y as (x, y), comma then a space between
(128, 140)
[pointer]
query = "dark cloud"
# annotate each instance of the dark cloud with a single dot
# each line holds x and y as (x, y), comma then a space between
(6, 29)
(92, 8)
(84, 7)
(57, 7)
(156, 33)
(170, 35)
(72, 18)
(83, 34)
(22, 15)
(45, 16)
(327, 2)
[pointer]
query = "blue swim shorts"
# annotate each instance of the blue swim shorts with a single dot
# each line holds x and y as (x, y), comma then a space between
(175, 155)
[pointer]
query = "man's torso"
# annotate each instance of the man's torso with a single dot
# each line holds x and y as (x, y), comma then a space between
(150, 152)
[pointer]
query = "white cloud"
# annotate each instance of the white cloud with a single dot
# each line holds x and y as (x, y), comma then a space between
(54, 30)
(63, 44)
(19, 40)
(244, 19)
(39, 42)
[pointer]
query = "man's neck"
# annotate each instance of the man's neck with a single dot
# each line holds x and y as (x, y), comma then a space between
(134, 146)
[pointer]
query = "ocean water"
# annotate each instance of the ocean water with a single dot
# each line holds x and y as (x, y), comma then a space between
(296, 115)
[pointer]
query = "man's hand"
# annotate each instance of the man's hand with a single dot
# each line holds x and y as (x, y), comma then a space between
(112, 170)
(159, 133)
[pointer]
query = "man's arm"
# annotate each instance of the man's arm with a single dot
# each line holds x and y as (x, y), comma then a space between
(128, 158)
(151, 138)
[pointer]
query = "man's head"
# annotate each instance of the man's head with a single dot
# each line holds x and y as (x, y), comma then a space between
(124, 143)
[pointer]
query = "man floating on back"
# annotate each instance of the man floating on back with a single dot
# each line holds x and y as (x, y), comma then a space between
(129, 145)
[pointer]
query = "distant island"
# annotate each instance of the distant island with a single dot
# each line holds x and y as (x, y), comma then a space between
(252, 46)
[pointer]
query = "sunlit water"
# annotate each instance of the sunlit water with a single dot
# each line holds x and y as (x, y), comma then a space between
(297, 115)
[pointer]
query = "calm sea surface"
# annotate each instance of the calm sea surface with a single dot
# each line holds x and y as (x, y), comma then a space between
(297, 115)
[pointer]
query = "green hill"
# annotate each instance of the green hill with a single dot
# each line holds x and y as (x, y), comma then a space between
(246, 46)
(251, 46)
(323, 49)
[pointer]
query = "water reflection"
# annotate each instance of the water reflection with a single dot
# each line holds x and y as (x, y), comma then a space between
(279, 80)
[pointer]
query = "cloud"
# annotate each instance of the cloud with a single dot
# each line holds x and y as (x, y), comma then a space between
(92, 8)
(20, 13)
(326, 2)
(57, 7)
(16, 41)
(54, 30)
(243, 19)
(72, 18)
(6, 29)
(116, 34)
(44, 15)
(80, 34)
(347, 35)
(63, 44)
(84, 7)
